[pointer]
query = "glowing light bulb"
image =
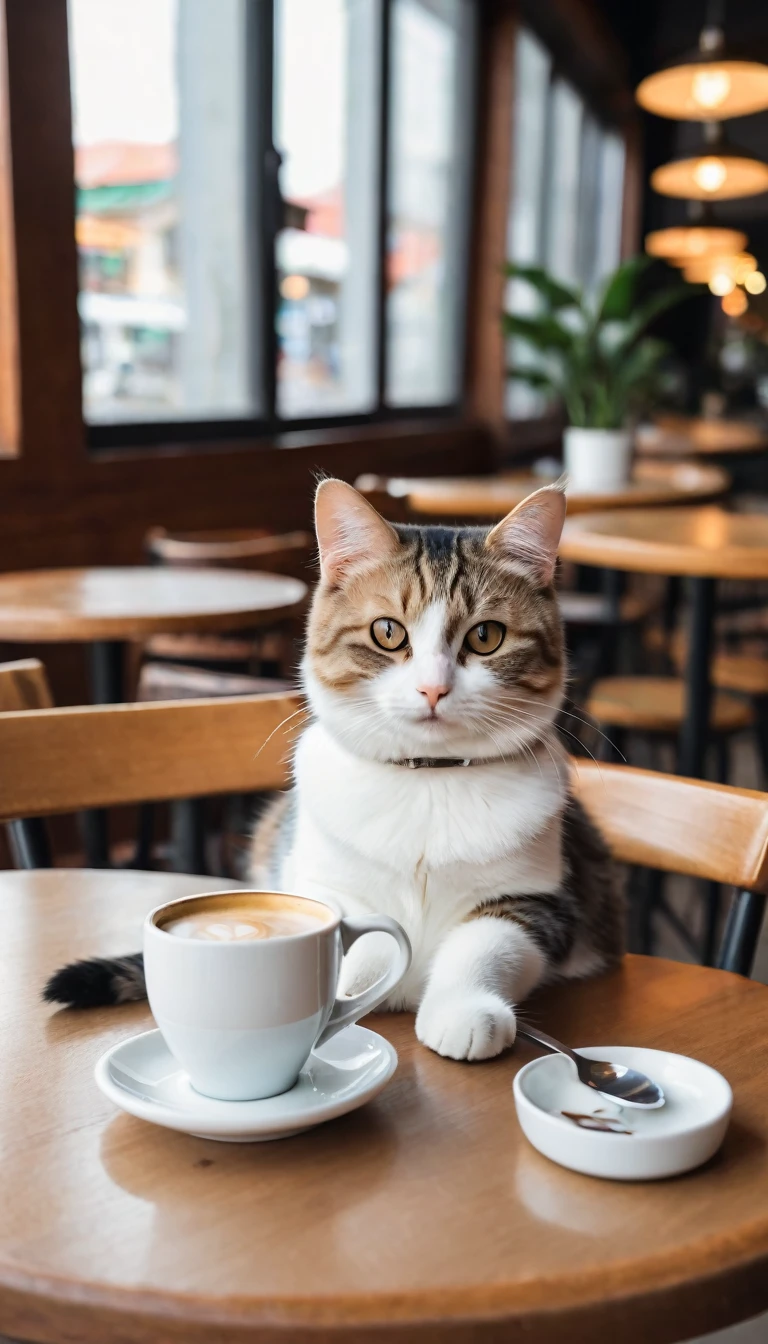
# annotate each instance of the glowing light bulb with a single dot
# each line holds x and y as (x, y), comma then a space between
(755, 283)
(710, 174)
(721, 283)
(735, 304)
(710, 88)
(744, 265)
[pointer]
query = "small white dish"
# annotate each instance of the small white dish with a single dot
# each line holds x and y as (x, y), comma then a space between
(141, 1076)
(557, 1114)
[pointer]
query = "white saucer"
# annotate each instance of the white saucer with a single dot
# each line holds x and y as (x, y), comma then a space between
(641, 1145)
(141, 1076)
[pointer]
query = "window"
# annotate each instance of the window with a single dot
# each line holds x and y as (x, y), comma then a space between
(428, 196)
(325, 126)
(159, 104)
(566, 198)
(272, 209)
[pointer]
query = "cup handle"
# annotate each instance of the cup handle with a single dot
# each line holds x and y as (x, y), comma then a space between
(346, 1011)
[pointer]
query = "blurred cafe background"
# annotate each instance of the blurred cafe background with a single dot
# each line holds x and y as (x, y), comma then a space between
(445, 249)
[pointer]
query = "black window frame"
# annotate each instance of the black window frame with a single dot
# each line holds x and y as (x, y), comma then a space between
(265, 211)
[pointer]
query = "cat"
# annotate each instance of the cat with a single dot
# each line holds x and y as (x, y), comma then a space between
(431, 784)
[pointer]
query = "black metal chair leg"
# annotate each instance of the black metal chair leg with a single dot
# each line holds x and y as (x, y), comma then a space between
(106, 660)
(188, 835)
(145, 837)
(29, 843)
(698, 687)
(653, 891)
(742, 930)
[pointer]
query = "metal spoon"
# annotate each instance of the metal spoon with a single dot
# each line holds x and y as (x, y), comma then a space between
(616, 1082)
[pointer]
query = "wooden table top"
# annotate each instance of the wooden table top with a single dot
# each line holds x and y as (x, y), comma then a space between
(704, 542)
(492, 496)
(85, 604)
(426, 1213)
(683, 435)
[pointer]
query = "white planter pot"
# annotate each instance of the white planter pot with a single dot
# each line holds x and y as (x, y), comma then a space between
(597, 460)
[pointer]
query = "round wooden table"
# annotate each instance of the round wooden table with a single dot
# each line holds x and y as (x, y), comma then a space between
(425, 1216)
(487, 497)
(92, 605)
(704, 544)
(693, 436)
(106, 608)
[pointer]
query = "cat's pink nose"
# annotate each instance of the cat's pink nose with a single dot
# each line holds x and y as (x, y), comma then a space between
(433, 694)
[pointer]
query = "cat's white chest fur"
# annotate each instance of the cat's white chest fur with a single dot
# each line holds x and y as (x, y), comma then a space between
(425, 846)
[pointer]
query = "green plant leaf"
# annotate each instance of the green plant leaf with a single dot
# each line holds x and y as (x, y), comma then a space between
(620, 290)
(537, 378)
(542, 332)
(555, 294)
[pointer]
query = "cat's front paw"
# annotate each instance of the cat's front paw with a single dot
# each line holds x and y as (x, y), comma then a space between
(475, 1025)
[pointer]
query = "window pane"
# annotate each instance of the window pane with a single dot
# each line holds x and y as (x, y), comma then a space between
(611, 203)
(429, 189)
(533, 66)
(159, 110)
(562, 191)
(327, 57)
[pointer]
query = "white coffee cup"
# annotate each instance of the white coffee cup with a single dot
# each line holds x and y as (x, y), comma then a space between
(242, 1017)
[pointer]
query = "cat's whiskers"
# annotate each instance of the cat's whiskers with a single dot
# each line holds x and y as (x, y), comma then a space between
(301, 710)
(588, 723)
(561, 729)
(526, 746)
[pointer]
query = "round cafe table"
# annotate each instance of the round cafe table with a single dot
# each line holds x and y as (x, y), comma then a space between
(425, 1216)
(107, 608)
(702, 544)
(687, 436)
(487, 497)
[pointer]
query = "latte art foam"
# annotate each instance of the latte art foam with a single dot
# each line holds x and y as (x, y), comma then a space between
(243, 924)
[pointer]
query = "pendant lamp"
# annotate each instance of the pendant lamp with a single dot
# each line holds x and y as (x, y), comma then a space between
(711, 82)
(694, 243)
(722, 172)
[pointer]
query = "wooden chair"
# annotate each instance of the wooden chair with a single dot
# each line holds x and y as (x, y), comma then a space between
(690, 827)
(234, 548)
(68, 759)
(24, 686)
(289, 553)
(656, 705)
(182, 752)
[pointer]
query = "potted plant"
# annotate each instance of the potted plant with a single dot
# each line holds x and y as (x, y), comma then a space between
(592, 355)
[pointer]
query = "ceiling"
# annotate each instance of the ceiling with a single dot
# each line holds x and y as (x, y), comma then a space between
(653, 32)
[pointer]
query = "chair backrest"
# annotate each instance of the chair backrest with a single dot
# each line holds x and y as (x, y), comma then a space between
(687, 826)
(289, 553)
(63, 760)
(24, 685)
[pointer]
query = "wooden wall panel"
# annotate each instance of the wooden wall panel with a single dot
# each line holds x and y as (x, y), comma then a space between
(486, 354)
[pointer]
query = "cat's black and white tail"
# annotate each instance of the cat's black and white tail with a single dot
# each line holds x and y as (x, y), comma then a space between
(98, 982)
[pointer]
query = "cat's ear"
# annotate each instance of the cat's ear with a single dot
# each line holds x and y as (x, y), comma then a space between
(530, 534)
(350, 533)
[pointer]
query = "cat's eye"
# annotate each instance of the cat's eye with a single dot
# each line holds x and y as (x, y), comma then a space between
(485, 637)
(389, 634)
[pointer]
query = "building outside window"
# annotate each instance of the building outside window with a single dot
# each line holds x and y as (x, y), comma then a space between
(205, 297)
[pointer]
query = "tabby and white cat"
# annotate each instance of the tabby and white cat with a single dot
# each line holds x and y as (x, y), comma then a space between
(431, 784)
